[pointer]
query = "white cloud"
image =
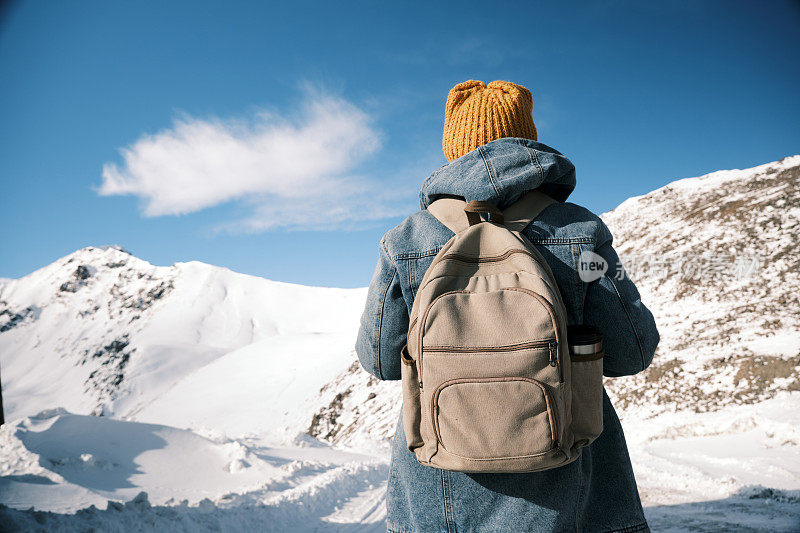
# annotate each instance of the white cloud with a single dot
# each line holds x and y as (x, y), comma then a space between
(292, 171)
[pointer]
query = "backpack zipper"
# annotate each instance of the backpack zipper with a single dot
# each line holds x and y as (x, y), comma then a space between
(490, 259)
(549, 343)
(553, 355)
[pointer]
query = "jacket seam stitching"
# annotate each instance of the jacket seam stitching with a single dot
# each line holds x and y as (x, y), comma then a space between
(380, 316)
(534, 240)
(444, 502)
(411, 281)
(577, 285)
(489, 170)
(630, 320)
(448, 511)
(538, 164)
(579, 509)
(530, 157)
(417, 255)
(556, 240)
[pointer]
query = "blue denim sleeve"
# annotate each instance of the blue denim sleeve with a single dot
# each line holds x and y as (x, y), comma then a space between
(613, 304)
(384, 323)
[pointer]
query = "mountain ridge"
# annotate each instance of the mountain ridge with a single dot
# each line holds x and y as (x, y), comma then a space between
(102, 315)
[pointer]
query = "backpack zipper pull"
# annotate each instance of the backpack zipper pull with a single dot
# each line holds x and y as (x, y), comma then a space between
(553, 355)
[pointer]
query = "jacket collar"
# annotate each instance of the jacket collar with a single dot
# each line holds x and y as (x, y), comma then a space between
(500, 172)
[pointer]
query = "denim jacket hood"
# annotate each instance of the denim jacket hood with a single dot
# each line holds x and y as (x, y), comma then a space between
(500, 172)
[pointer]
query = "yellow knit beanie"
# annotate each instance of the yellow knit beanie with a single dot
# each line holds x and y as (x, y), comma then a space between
(476, 114)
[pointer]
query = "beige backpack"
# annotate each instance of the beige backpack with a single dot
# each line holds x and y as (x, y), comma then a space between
(488, 381)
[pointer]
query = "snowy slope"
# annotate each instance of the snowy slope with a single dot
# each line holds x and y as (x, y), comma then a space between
(64, 462)
(100, 331)
(260, 388)
(257, 381)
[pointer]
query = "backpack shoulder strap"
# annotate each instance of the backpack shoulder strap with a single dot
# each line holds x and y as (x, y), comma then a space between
(522, 212)
(450, 212)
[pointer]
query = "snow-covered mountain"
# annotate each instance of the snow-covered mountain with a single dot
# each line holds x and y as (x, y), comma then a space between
(726, 290)
(716, 258)
(205, 382)
(102, 332)
(260, 379)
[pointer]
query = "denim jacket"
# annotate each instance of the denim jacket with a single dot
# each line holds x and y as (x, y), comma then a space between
(598, 491)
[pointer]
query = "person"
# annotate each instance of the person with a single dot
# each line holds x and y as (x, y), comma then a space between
(491, 143)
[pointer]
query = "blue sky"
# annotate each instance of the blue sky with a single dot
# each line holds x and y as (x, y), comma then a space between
(240, 133)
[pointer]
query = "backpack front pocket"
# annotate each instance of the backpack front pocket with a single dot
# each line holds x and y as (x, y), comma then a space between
(494, 418)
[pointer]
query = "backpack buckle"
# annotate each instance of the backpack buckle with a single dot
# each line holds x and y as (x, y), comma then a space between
(475, 208)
